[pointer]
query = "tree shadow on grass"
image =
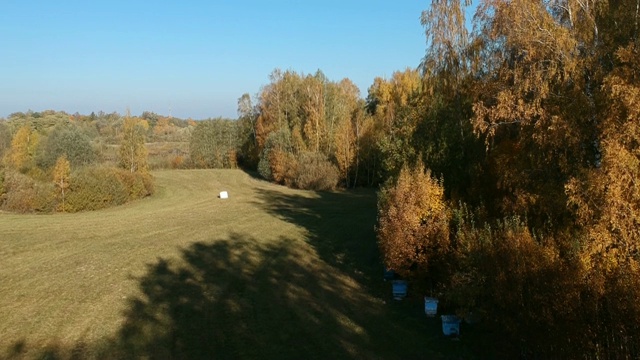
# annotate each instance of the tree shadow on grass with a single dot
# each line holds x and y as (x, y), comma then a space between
(340, 226)
(240, 298)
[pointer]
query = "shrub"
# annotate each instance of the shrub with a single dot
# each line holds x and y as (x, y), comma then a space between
(315, 172)
(95, 188)
(148, 183)
(24, 194)
(275, 157)
(99, 187)
(284, 167)
(177, 162)
(66, 140)
(133, 183)
(264, 166)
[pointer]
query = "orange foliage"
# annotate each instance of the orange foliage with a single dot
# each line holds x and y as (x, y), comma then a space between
(413, 222)
(177, 162)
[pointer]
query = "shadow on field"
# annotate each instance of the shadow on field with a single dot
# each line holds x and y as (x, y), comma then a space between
(340, 227)
(238, 298)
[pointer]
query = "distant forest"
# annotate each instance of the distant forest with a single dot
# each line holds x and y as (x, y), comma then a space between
(508, 164)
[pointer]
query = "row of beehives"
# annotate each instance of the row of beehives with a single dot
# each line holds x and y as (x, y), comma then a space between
(450, 323)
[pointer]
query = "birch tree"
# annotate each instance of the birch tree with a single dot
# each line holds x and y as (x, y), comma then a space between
(132, 153)
(61, 176)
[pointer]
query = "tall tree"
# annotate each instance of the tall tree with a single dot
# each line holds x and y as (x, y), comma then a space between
(445, 63)
(395, 107)
(344, 128)
(61, 175)
(132, 152)
(314, 111)
(21, 155)
(531, 108)
(247, 116)
(214, 144)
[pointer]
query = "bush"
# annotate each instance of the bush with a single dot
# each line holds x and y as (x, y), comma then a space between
(276, 158)
(138, 184)
(177, 162)
(24, 194)
(68, 140)
(95, 188)
(315, 172)
(99, 187)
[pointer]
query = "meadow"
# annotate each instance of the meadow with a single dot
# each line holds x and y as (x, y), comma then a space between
(270, 272)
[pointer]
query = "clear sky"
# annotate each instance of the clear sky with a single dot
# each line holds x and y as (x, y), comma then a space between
(193, 57)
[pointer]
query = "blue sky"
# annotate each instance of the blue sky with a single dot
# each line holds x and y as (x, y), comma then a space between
(193, 57)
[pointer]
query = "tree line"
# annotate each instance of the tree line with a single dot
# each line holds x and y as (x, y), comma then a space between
(52, 161)
(517, 197)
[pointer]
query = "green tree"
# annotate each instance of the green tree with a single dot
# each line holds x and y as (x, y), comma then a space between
(396, 107)
(68, 140)
(5, 138)
(214, 144)
(247, 116)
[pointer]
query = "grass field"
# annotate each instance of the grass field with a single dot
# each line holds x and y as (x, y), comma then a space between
(268, 273)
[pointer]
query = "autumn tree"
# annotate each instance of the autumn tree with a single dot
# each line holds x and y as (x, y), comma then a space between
(21, 155)
(413, 223)
(346, 151)
(535, 110)
(605, 199)
(444, 135)
(296, 120)
(345, 127)
(553, 88)
(61, 176)
(313, 107)
(164, 129)
(132, 152)
(395, 106)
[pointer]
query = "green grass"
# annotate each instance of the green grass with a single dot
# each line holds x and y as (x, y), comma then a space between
(268, 273)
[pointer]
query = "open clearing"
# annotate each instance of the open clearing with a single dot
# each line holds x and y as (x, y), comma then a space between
(268, 273)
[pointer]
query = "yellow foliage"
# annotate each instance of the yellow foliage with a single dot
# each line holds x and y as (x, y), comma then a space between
(132, 152)
(23, 147)
(413, 221)
(61, 175)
